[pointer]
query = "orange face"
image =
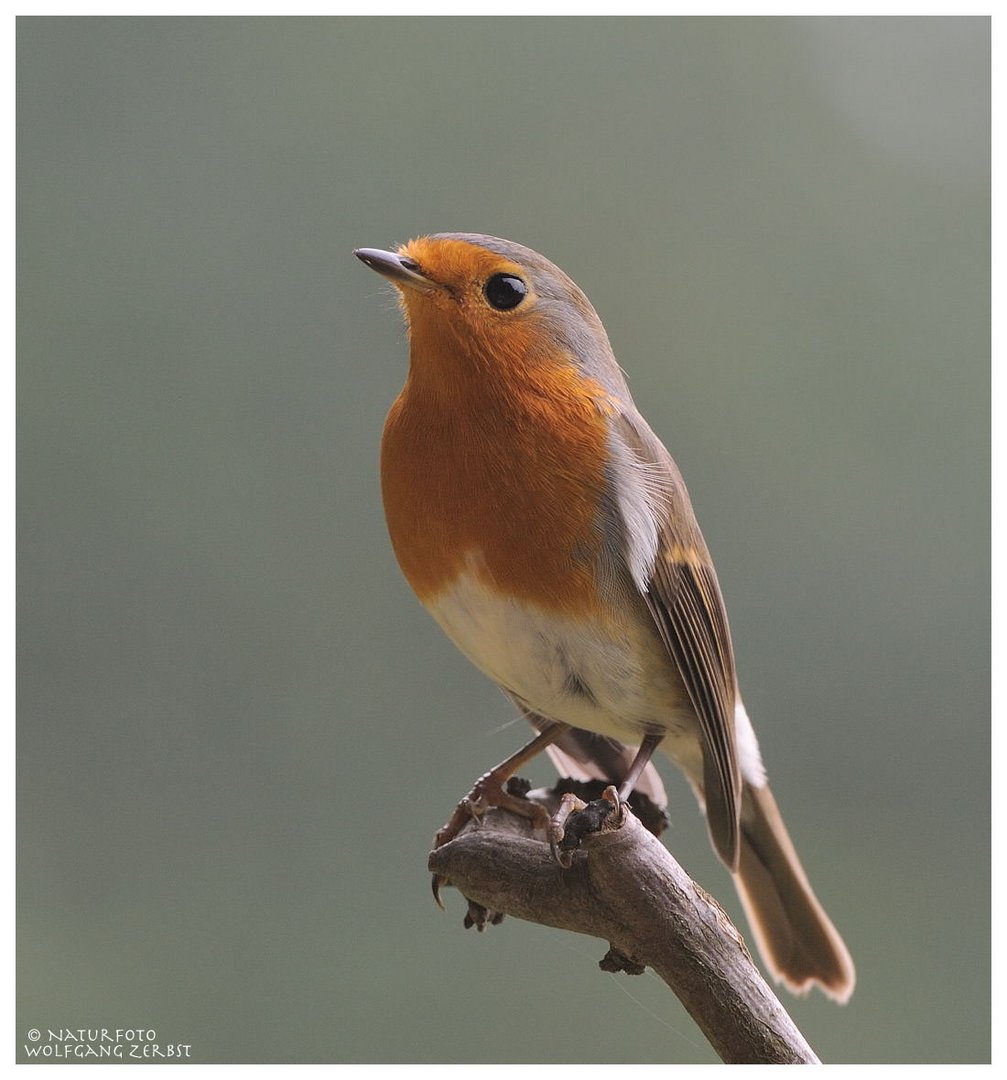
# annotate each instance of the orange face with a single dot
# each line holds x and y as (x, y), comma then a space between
(456, 321)
(496, 448)
(462, 269)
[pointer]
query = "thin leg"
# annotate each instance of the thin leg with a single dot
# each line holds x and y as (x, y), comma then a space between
(643, 755)
(489, 791)
(571, 805)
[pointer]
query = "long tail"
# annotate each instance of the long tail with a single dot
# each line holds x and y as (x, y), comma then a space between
(797, 940)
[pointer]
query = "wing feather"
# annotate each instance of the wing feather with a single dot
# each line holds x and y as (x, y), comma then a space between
(684, 599)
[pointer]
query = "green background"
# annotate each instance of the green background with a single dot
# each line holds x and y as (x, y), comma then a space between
(239, 730)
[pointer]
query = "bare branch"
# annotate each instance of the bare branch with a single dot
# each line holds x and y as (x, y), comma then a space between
(625, 888)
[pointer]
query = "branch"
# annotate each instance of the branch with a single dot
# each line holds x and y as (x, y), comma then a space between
(625, 888)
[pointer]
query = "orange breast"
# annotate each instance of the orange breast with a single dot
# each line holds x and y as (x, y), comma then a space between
(503, 478)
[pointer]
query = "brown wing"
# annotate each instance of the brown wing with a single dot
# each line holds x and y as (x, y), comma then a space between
(684, 598)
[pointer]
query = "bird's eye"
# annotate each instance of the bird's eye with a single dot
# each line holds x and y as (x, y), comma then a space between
(505, 291)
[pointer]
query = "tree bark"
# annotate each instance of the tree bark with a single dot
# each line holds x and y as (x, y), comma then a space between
(625, 887)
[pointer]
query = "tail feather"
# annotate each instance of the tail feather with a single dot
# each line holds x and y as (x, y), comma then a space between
(797, 940)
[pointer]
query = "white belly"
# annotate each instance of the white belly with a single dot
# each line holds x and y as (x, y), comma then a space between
(613, 678)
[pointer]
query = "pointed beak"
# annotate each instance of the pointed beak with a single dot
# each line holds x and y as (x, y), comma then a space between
(397, 268)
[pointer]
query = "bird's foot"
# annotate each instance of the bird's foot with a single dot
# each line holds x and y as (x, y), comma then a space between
(562, 851)
(492, 789)
(576, 819)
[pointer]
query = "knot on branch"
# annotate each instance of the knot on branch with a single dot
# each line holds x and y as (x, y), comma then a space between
(614, 961)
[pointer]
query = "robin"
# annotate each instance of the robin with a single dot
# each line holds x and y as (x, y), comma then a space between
(549, 532)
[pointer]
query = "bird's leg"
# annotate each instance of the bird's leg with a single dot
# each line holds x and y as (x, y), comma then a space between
(489, 791)
(643, 755)
(571, 805)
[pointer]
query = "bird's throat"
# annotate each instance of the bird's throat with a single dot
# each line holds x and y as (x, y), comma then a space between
(502, 476)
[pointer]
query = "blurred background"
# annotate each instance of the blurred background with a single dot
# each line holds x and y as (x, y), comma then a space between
(238, 729)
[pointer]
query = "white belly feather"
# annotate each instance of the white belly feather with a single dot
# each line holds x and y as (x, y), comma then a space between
(615, 682)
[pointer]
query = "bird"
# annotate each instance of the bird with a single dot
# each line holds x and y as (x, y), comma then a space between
(547, 529)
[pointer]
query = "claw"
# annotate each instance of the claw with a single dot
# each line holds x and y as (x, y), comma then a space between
(613, 796)
(477, 808)
(569, 804)
(564, 858)
(435, 884)
(556, 834)
(489, 792)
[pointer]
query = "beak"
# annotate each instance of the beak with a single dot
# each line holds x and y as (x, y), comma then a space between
(397, 268)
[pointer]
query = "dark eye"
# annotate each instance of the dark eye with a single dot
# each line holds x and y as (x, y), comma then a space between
(504, 291)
